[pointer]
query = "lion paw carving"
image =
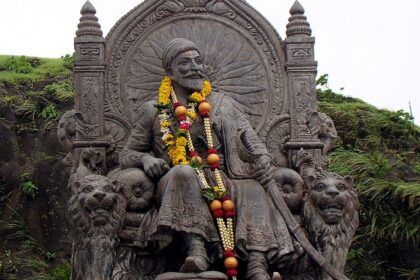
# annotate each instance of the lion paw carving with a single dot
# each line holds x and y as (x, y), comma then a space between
(330, 212)
(96, 211)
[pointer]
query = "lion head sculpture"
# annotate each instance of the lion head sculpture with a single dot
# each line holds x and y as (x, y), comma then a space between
(96, 211)
(322, 125)
(96, 203)
(330, 212)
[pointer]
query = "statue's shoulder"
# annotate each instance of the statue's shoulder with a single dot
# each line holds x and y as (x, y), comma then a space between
(147, 112)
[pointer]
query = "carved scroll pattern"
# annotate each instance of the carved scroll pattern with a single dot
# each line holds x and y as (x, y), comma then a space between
(117, 131)
(275, 134)
(304, 106)
(253, 55)
(89, 106)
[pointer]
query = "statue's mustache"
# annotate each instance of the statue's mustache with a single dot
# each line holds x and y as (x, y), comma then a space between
(196, 74)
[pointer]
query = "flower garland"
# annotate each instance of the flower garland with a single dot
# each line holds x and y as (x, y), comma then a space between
(221, 206)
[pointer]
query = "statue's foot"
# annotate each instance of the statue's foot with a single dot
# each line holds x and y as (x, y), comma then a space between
(195, 264)
(276, 276)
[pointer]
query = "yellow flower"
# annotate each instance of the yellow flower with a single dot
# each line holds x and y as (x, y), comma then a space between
(165, 91)
(191, 114)
(196, 97)
(206, 88)
(165, 124)
(181, 141)
(168, 137)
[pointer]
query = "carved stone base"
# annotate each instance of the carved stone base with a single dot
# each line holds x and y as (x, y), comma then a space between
(207, 275)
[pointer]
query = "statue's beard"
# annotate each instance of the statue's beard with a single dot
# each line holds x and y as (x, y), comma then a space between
(191, 84)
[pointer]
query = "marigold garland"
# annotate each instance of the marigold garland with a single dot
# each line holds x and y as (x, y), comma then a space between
(221, 206)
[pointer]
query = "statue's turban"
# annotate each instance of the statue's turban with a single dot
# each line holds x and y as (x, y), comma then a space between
(174, 48)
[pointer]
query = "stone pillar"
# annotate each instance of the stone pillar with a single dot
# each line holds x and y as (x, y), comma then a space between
(301, 69)
(89, 71)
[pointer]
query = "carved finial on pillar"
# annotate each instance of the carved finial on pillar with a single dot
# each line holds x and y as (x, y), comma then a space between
(88, 25)
(298, 25)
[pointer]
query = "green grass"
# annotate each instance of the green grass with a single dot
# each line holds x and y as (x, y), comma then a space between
(20, 70)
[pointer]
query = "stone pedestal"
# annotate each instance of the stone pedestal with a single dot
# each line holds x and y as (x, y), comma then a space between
(208, 275)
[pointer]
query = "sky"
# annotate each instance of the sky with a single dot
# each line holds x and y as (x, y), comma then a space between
(369, 48)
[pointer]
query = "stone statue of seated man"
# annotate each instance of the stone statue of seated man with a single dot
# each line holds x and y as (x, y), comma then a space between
(187, 143)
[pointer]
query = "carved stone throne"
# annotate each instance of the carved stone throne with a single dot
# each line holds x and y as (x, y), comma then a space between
(271, 80)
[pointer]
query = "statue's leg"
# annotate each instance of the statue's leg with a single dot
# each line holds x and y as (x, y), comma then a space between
(184, 209)
(257, 266)
(197, 259)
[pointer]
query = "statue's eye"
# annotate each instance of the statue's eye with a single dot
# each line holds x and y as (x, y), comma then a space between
(199, 61)
(108, 188)
(87, 189)
(138, 191)
(183, 62)
(319, 187)
(287, 188)
(341, 187)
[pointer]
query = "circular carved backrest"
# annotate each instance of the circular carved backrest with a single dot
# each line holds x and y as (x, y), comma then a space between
(242, 54)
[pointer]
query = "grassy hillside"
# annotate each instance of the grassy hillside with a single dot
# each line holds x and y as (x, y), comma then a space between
(379, 148)
(33, 238)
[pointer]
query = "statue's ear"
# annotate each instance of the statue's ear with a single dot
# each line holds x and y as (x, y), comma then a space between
(349, 180)
(75, 187)
(314, 120)
(310, 179)
(98, 157)
(79, 117)
(118, 186)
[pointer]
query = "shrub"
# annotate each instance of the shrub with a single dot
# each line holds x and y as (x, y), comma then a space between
(68, 61)
(22, 64)
(27, 186)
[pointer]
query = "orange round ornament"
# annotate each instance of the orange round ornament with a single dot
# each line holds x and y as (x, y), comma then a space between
(204, 107)
(231, 263)
(228, 205)
(180, 111)
(213, 159)
(215, 205)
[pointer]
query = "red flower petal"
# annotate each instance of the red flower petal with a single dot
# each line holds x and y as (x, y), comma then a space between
(228, 253)
(218, 213)
(232, 273)
(215, 166)
(193, 154)
(212, 151)
(230, 214)
(226, 197)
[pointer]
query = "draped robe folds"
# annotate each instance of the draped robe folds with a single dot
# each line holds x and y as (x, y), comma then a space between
(258, 225)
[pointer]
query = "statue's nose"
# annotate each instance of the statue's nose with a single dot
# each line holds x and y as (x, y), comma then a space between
(99, 195)
(195, 66)
(332, 191)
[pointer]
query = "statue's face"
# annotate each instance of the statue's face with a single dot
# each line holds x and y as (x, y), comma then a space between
(98, 199)
(331, 196)
(187, 70)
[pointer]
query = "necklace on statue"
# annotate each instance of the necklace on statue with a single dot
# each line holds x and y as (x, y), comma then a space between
(177, 144)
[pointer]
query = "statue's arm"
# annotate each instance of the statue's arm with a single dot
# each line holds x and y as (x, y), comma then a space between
(140, 141)
(262, 168)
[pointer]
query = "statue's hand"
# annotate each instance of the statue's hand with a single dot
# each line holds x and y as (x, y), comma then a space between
(262, 169)
(155, 167)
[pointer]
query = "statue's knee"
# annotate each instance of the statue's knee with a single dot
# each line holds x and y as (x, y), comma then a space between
(183, 173)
